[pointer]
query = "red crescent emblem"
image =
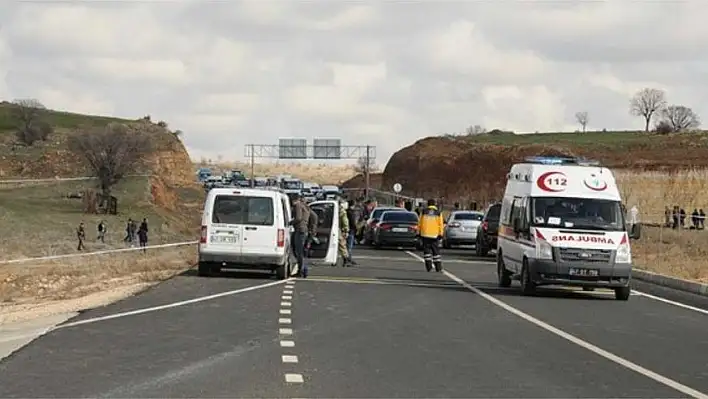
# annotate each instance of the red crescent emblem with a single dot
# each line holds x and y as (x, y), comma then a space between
(541, 182)
(601, 188)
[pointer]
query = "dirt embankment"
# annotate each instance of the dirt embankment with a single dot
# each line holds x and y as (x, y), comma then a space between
(457, 168)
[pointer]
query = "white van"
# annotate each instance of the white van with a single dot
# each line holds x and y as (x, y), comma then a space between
(250, 228)
(562, 223)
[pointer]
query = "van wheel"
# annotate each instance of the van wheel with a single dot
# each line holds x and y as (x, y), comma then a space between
(204, 269)
(528, 287)
(283, 271)
(622, 294)
(503, 277)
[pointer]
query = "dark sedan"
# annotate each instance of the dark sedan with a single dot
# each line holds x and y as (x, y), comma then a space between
(396, 228)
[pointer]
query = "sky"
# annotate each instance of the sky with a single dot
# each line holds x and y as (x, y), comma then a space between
(379, 73)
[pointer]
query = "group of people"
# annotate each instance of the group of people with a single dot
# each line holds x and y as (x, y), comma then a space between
(676, 218)
(132, 231)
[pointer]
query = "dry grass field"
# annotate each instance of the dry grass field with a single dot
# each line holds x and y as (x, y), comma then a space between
(41, 220)
(322, 173)
(680, 253)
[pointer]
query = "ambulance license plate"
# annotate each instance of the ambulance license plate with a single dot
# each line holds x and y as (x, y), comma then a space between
(574, 271)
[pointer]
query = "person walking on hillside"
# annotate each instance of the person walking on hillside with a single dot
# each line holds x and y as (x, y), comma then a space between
(143, 234)
(81, 235)
(430, 229)
(301, 215)
(101, 231)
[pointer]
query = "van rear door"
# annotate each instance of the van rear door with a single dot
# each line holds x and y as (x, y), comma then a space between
(244, 224)
(327, 232)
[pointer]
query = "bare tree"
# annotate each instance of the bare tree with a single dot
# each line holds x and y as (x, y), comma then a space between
(474, 130)
(647, 102)
(111, 152)
(27, 113)
(361, 165)
(582, 118)
(680, 117)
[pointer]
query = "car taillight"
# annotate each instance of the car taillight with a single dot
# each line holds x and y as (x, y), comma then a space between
(385, 226)
(485, 225)
(454, 224)
(203, 237)
(281, 238)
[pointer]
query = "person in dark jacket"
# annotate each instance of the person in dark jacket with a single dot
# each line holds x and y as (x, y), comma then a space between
(143, 234)
(353, 219)
(312, 223)
(301, 216)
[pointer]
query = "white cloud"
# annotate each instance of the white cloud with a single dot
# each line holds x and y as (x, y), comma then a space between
(379, 73)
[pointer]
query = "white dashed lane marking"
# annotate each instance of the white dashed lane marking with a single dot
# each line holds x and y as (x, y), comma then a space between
(286, 332)
(294, 378)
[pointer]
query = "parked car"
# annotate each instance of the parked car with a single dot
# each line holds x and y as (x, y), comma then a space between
(396, 228)
(374, 218)
(486, 239)
(461, 228)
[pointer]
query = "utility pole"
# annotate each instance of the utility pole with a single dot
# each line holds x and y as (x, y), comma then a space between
(253, 166)
(367, 172)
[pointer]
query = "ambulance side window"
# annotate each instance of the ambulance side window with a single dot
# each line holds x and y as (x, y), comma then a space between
(516, 209)
(506, 215)
(523, 213)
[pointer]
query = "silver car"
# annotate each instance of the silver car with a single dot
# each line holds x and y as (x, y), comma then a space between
(461, 228)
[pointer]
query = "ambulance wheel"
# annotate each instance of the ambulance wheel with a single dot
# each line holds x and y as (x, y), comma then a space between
(503, 277)
(622, 294)
(528, 287)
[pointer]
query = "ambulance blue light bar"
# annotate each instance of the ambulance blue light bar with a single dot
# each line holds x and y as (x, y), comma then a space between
(561, 161)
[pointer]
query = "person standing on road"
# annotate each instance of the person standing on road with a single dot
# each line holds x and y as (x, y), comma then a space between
(81, 235)
(352, 221)
(301, 215)
(430, 229)
(344, 233)
(312, 223)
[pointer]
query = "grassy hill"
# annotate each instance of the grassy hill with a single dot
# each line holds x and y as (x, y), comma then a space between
(41, 218)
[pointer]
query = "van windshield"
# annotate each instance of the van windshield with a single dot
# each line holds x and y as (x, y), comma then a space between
(233, 209)
(577, 213)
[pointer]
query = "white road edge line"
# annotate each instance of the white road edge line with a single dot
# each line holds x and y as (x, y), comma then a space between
(286, 297)
(285, 331)
(285, 321)
(289, 359)
(168, 306)
(287, 344)
(286, 304)
(569, 337)
(294, 378)
(286, 311)
(670, 302)
(288, 292)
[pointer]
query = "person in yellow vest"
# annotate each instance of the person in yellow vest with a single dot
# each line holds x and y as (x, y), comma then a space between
(430, 229)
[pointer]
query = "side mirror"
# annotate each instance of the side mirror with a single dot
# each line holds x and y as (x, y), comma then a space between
(635, 232)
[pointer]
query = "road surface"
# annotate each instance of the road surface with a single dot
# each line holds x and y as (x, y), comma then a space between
(385, 328)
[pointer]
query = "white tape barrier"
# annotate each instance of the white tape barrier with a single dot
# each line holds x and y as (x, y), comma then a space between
(109, 251)
(56, 179)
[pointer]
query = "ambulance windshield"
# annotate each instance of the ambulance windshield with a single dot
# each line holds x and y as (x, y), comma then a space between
(577, 213)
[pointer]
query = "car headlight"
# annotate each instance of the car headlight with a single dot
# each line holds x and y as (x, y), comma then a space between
(623, 255)
(544, 250)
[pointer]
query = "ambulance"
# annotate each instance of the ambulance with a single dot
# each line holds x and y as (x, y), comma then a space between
(562, 223)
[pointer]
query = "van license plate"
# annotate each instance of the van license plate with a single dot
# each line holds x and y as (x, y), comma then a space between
(223, 239)
(574, 271)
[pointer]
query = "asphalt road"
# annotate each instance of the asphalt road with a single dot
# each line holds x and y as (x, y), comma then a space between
(385, 328)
